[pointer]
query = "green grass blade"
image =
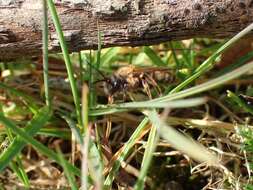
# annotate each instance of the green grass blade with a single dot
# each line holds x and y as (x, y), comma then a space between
(208, 64)
(92, 92)
(156, 60)
(207, 50)
(51, 132)
(80, 61)
(181, 142)
(23, 173)
(67, 60)
(105, 110)
(191, 102)
(74, 129)
(56, 132)
(241, 61)
(147, 158)
(20, 172)
(67, 171)
(95, 165)
(45, 53)
(177, 62)
(29, 101)
(99, 50)
(85, 153)
(240, 102)
(109, 55)
(17, 166)
(36, 144)
(108, 109)
(18, 144)
(185, 61)
(126, 149)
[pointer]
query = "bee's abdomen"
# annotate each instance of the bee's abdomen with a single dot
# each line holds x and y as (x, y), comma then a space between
(160, 76)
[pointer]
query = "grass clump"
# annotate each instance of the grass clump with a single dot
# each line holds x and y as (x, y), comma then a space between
(193, 132)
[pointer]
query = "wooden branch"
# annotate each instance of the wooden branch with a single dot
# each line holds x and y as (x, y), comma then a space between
(121, 22)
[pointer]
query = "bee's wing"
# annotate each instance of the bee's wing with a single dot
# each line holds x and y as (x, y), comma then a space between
(149, 70)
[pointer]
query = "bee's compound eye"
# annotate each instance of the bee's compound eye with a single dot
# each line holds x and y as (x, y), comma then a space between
(115, 83)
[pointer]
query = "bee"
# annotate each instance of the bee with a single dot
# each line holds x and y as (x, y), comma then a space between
(130, 78)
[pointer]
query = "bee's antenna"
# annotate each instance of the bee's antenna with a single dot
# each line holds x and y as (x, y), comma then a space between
(99, 81)
(98, 71)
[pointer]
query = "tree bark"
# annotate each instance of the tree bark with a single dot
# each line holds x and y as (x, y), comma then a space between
(121, 23)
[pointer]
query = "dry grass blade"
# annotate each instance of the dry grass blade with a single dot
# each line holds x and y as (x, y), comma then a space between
(181, 142)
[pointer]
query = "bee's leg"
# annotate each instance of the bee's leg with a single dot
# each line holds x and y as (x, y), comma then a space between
(110, 99)
(109, 122)
(124, 96)
(154, 84)
(146, 88)
(108, 127)
(130, 96)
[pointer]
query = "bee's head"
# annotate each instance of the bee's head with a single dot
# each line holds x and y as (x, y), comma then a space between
(114, 84)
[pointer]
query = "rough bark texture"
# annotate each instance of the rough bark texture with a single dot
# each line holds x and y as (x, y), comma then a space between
(121, 22)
